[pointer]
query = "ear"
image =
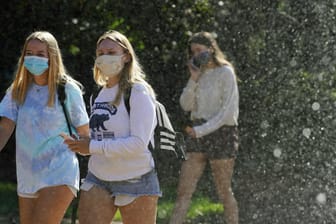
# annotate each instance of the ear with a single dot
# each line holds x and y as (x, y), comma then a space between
(127, 58)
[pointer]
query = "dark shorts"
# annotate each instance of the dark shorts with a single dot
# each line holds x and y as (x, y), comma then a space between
(220, 144)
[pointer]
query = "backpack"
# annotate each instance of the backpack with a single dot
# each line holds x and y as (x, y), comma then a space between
(166, 140)
(165, 137)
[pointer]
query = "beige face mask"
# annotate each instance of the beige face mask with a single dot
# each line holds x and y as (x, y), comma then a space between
(110, 65)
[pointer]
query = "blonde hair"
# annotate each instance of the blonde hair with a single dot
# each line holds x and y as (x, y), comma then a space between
(56, 73)
(132, 71)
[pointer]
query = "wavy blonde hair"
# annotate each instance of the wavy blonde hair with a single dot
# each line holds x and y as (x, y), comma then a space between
(56, 73)
(132, 71)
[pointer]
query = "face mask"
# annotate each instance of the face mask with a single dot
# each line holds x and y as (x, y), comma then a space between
(36, 65)
(110, 65)
(201, 59)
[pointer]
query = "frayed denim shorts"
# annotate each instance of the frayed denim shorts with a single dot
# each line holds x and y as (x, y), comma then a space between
(126, 191)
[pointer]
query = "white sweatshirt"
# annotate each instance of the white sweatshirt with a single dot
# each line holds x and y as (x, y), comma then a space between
(119, 142)
(214, 97)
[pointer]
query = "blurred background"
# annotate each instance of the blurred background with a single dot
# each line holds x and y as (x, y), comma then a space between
(284, 55)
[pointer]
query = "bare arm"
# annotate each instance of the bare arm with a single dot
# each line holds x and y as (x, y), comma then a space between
(80, 146)
(6, 129)
(83, 131)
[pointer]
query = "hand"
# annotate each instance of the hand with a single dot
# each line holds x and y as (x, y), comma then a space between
(190, 131)
(66, 136)
(194, 71)
(80, 146)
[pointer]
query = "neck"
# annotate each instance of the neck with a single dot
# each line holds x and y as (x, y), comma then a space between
(112, 82)
(41, 80)
(211, 64)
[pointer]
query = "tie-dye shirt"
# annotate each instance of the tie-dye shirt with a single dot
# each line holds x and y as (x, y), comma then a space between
(42, 159)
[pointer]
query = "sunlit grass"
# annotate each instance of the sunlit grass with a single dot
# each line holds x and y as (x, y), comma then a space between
(117, 216)
(200, 206)
(203, 206)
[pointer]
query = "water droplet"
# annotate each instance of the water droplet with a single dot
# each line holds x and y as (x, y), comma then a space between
(321, 198)
(264, 124)
(277, 152)
(316, 106)
(306, 132)
(293, 63)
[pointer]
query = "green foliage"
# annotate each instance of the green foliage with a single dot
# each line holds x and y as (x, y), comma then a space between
(74, 50)
(8, 199)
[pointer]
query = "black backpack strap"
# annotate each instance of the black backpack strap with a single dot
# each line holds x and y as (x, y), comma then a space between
(95, 91)
(61, 98)
(127, 96)
(61, 92)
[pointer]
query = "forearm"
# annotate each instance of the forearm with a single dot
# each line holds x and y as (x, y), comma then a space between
(187, 99)
(83, 131)
(119, 148)
(6, 130)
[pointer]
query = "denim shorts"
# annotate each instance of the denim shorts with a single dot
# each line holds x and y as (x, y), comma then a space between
(147, 184)
(220, 144)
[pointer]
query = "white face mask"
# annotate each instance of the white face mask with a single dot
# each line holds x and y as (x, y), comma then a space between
(109, 65)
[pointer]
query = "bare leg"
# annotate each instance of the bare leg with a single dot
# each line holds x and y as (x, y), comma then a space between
(140, 211)
(96, 206)
(48, 208)
(222, 170)
(26, 207)
(191, 172)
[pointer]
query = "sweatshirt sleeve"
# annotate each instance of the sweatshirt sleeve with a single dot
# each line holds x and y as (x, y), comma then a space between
(142, 124)
(188, 96)
(228, 113)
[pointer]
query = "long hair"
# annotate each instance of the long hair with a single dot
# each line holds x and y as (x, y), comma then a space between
(207, 39)
(56, 73)
(132, 71)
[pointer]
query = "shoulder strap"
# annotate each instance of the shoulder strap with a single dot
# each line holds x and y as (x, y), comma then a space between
(127, 96)
(61, 91)
(95, 91)
(61, 98)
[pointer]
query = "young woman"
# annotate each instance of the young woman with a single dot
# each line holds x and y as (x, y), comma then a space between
(121, 171)
(211, 97)
(47, 171)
